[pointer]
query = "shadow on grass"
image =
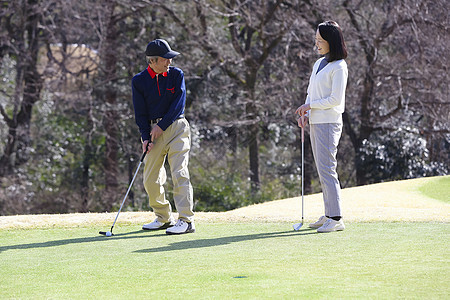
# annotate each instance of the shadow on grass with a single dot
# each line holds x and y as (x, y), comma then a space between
(212, 242)
(174, 246)
(99, 238)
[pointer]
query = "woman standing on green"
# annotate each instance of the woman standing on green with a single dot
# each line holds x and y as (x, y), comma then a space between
(323, 108)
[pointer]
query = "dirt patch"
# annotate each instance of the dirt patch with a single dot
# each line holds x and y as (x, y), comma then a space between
(389, 202)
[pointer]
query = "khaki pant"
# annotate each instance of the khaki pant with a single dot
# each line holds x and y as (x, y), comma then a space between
(173, 144)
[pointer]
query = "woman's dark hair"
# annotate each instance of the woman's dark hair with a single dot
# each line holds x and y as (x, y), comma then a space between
(332, 33)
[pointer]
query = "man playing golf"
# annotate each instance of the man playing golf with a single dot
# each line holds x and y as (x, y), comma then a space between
(159, 98)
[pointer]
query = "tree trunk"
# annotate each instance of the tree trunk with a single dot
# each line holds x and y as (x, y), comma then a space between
(253, 132)
(110, 118)
(87, 160)
(254, 158)
(16, 150)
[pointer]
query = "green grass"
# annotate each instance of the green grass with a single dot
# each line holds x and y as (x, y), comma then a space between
(437, 189)
(228, 261)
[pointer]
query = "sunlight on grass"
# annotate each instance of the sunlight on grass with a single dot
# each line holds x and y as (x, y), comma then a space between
(228, 261)
(64, 257)
(438, 189)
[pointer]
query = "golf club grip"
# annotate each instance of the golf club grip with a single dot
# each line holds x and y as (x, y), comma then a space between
(146, 148)
(143, 156)
(303, 129)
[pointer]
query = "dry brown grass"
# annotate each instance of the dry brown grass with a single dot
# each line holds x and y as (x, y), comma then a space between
(388, 202)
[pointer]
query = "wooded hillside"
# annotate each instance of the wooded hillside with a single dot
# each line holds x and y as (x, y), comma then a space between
(69, 143)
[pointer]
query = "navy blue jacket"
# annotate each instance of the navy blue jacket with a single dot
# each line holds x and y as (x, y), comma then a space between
(158, 96)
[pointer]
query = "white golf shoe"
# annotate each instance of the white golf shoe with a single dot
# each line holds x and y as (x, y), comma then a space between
(181, 227)
(332, 225)
(319, 222)
(157, 225)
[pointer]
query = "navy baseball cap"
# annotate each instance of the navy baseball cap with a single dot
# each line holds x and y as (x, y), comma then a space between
(160, 47)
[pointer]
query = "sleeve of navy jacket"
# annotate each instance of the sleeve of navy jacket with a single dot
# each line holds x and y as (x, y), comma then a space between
(152, 99)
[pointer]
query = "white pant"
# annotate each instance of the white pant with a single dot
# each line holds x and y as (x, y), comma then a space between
(174, 144)
(324, 142)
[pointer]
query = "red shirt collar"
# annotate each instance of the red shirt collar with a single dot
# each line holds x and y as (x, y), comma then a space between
(153, 74)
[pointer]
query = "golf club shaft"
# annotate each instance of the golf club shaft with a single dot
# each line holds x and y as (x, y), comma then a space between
(125, 198)
(303, 165)
(129, 187)
(297, 226)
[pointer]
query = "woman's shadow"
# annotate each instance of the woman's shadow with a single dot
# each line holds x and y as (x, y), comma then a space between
(212, 242)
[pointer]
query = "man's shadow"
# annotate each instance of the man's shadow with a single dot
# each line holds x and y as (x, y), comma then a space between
(99, 238)
(213, 242)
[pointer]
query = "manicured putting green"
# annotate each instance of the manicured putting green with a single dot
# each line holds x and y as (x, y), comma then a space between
(437, 189)
(228, 261)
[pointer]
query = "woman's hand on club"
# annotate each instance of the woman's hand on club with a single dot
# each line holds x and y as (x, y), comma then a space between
(302, 121)
(301, 111)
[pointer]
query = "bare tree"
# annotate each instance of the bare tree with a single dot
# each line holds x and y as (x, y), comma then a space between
(392, 70)
(21, 38)
(254, 29)
(109, 36)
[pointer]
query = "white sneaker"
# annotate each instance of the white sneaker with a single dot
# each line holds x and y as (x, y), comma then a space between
(332, 225)
(319, 222)
(181, 227)
(157, 225)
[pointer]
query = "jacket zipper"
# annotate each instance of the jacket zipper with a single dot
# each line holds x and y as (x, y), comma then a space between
(157, 83)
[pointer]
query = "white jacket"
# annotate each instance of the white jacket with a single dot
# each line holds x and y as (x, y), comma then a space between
(326, 92)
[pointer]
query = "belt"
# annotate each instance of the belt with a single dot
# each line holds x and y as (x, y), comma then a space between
(154, 121)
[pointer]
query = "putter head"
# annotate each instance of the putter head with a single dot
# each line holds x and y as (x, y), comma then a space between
(297, 226)
(107, 233)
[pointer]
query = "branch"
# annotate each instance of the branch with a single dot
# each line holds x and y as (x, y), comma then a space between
(175, 17)
(234, 75)
(268, 49)
(394, 111)
(8, 120)
(349, 129)
(234, 36)
(370, 50)
(399, 102)
(386, 31)
(271, 12)
(422, 131)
